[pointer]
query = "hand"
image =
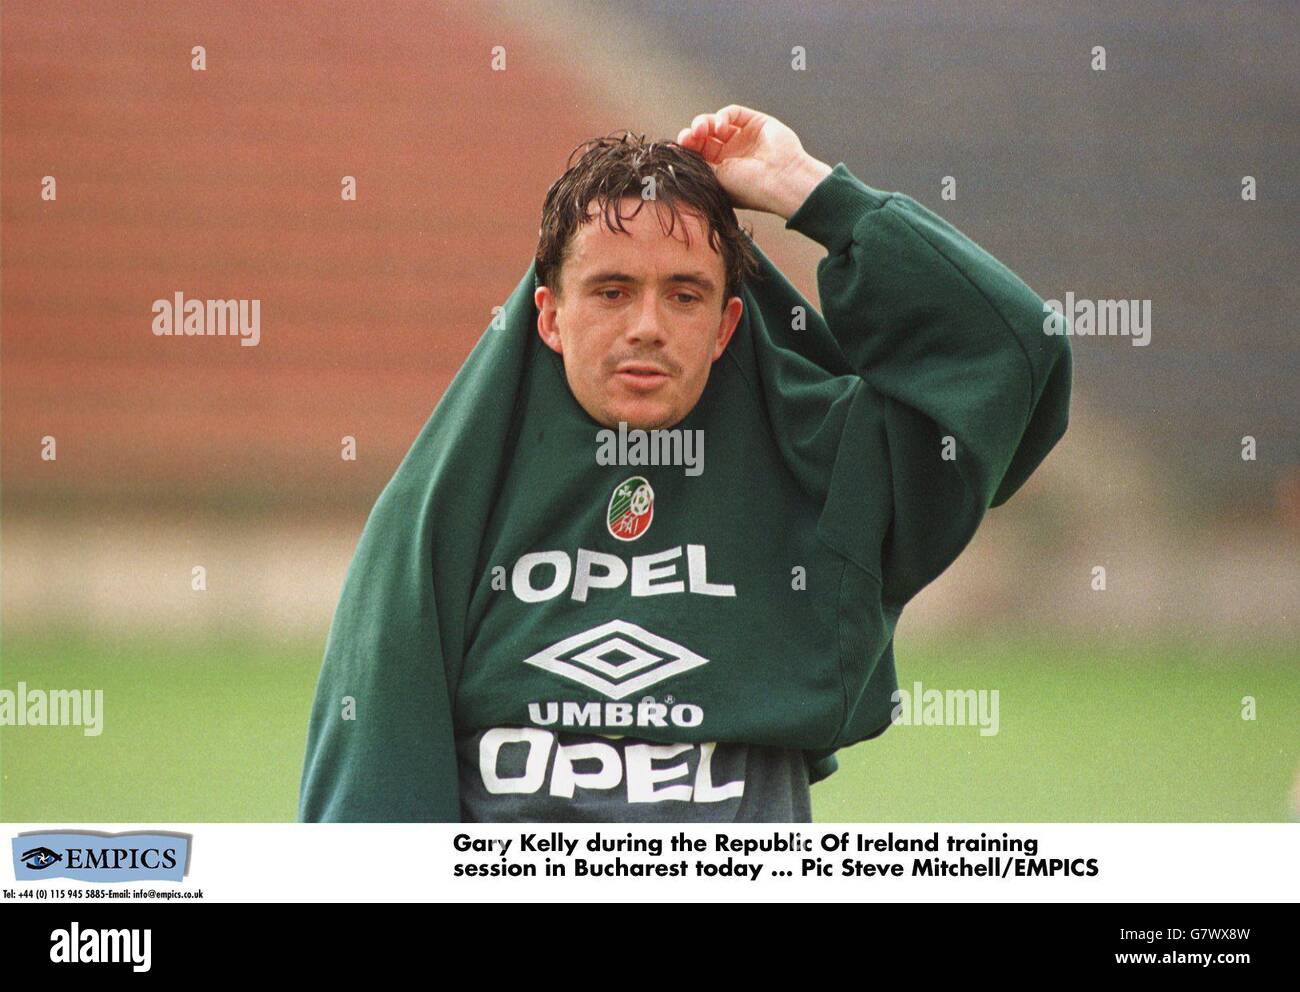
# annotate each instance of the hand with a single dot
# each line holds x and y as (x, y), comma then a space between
(757, 159)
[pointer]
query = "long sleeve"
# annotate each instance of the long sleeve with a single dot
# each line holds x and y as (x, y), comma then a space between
(380, 746)
(964, 393)
(395, 650)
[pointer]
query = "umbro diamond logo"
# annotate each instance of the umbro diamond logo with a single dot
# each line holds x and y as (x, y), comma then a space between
(617, 659)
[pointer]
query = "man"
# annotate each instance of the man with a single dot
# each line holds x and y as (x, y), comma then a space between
(529, 632)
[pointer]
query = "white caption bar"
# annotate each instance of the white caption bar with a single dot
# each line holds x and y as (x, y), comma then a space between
(1108, 862)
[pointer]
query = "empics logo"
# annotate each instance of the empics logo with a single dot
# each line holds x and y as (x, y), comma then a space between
(95, 857)
(631, 508)
(616, 659)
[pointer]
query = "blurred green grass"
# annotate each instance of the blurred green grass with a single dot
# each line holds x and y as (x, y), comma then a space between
(1089, 731)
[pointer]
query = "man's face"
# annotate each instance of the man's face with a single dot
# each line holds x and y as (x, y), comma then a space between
(640, 320)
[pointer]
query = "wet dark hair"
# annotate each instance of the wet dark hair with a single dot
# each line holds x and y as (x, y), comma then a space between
(614, 167)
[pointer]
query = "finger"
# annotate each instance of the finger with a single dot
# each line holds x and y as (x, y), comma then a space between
(687, 138)
(712, 150)
(736, 115)
(707, 134)
(705, 127)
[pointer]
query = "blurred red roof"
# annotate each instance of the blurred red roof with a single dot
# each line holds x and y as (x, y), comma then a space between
(225, 183)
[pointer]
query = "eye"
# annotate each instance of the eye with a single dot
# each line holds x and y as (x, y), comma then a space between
(686, 298)
(611, 289)
(39, 857)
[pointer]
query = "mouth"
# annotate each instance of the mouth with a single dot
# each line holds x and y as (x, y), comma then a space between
(641, 376)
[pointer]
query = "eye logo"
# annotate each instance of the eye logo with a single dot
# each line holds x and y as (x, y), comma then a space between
(40, 857)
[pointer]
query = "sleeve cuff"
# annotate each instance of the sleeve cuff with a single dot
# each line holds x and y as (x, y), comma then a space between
(821, 767)
(833, 207)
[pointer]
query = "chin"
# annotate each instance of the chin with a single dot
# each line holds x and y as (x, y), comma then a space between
(643, 416)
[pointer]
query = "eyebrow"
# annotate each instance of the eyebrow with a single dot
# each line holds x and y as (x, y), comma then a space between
(697, 279)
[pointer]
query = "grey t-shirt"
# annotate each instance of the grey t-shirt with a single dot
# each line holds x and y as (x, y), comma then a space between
(528, 775)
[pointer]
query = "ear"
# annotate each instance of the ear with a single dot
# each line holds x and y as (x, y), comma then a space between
(548, 327)
(727, 325)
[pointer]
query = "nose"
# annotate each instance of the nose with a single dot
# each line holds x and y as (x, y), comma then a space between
(646, 326)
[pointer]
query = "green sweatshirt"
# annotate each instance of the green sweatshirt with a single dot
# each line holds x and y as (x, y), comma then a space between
(528, 634)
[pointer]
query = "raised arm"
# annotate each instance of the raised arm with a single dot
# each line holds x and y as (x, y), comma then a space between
(964, 391)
